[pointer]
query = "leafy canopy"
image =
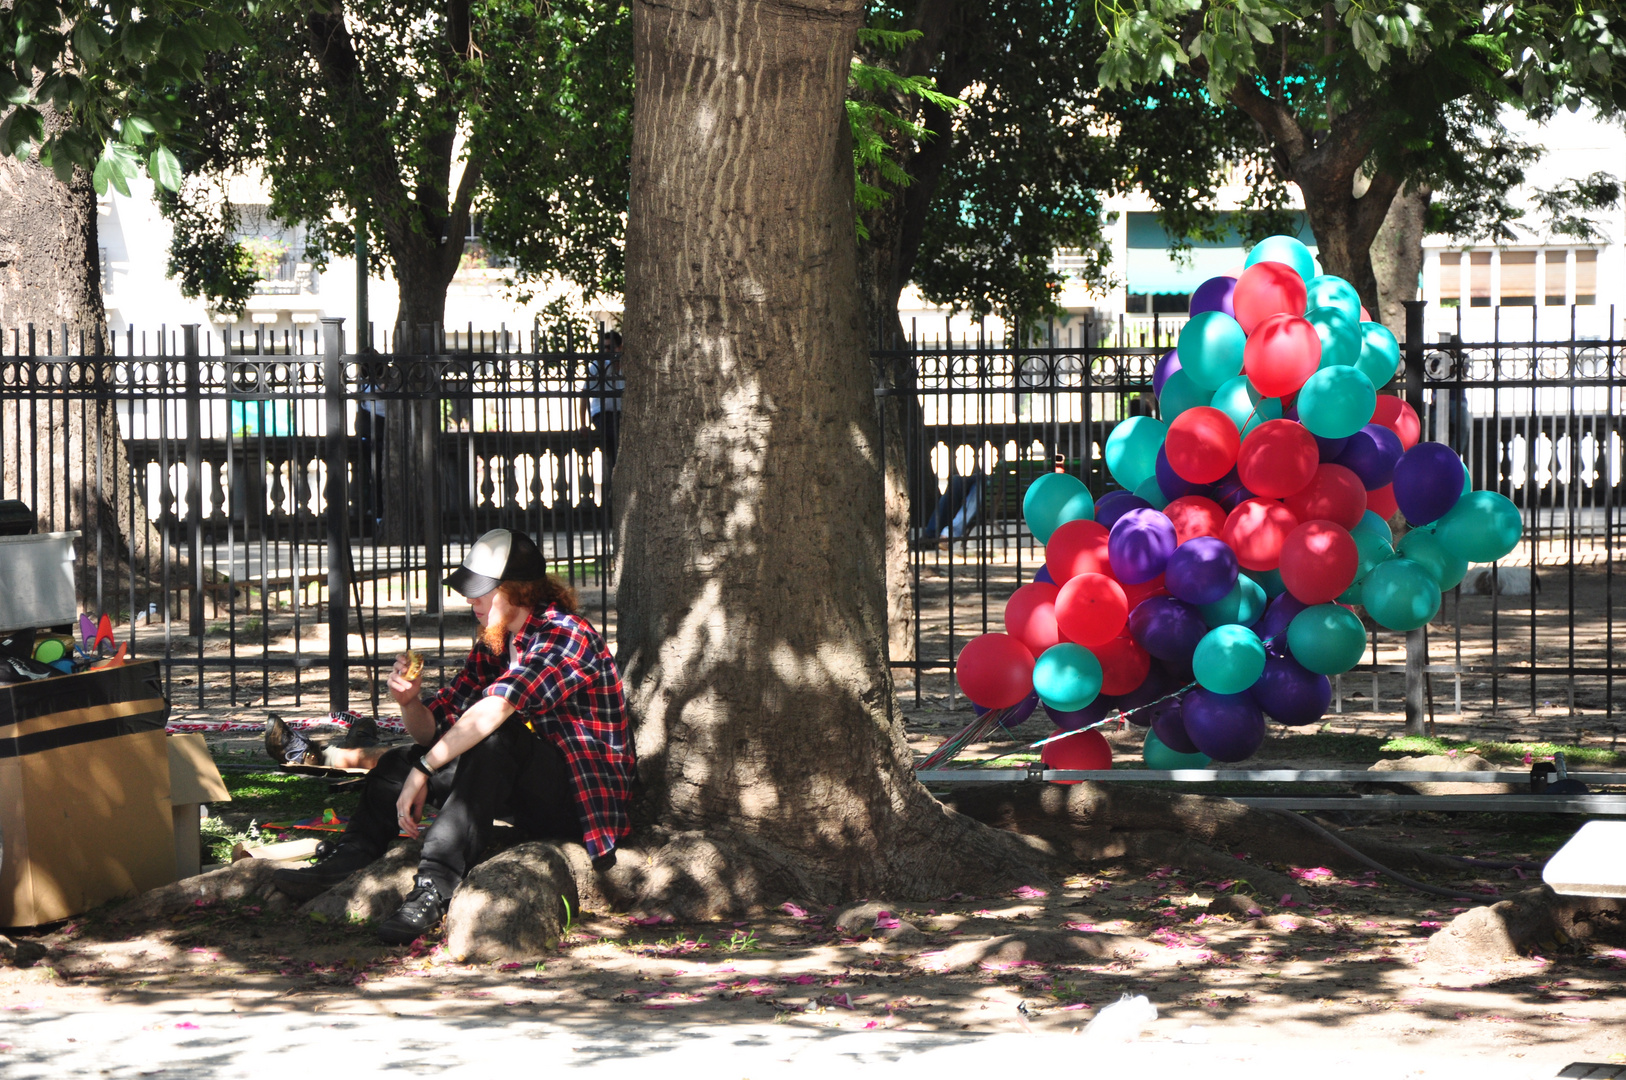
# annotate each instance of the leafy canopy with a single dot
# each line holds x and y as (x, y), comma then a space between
(96, 84)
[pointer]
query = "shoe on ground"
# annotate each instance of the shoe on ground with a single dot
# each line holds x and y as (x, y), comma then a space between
(334, 863)
(287, 745)
(363, 732)
(420, 913)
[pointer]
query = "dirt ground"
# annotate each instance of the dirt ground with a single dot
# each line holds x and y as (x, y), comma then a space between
(1349, 967)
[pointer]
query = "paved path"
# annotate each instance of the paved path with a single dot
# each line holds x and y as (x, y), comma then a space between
(126, 1042)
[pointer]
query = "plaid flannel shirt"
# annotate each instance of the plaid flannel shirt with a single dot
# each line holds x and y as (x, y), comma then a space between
(563, 684)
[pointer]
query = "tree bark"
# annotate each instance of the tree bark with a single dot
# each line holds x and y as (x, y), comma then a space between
(752, 594)
(1397, 255)
(64, 456)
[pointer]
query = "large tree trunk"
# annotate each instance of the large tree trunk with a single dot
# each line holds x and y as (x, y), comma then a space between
(752, 604)
(1397, 255)
(64, 456)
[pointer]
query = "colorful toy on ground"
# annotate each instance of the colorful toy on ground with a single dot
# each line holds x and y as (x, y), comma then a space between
(1217, 588)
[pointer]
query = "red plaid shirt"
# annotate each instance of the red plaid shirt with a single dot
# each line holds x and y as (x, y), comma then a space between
(564, 683)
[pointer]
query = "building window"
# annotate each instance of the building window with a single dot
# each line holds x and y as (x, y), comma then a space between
(1450, 279)
(1553, 285)
(1138, 304)
(1171, 303)
(1586, 276)
(1479, 279)
(1518, 279)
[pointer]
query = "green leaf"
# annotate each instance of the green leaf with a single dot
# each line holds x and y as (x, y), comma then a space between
(99, 177)
(164, 169)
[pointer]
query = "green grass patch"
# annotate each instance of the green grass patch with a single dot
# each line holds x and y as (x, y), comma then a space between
(1503, 753)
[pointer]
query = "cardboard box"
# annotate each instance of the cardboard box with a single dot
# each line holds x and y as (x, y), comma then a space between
(193, 781)
(85, 813)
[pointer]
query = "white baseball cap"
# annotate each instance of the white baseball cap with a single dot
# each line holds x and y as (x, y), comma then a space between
(500, 555)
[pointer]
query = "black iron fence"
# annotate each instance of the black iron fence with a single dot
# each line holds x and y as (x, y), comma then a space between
(202, 468)
(1541, 422)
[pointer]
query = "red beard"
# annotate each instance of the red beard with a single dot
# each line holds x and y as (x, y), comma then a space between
(494, 638)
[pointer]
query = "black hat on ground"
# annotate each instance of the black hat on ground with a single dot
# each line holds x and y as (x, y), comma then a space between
(500, 555)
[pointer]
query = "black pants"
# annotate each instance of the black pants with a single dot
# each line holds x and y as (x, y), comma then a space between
(608, 426)
(510, 773)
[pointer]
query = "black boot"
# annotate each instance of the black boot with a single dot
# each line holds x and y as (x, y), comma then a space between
(420, 913)
(363, 732)
(334, 863)
(288, 746)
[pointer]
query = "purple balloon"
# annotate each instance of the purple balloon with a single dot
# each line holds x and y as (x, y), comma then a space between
(1156, 684)
(1330, 448)
(1291, 693)
(1371, 455)
(1278, 613)
(1140, 544)
(1201, 570)
(1171, 483)
(1167, 628)
(1214, 295)
(1167, 365)
(1115, 504)
(1170, 729)
(1093, 713)
(1043, 576)
(1226, 727)
(1018, 712)
(1229, 492)
(1428, 482)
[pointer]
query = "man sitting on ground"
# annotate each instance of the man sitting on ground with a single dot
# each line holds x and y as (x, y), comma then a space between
(534, 728)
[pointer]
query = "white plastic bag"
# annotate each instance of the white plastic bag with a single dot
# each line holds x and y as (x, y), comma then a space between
(1123, 1020)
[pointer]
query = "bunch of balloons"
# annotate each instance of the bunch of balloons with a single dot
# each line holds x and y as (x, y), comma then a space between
(1217, 588)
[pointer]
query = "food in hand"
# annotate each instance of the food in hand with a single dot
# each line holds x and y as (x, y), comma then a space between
(414, 666)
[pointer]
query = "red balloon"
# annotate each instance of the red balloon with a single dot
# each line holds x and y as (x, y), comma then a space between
(1256, 531)
(1334, 493)
(995, 671)
(1091, 609)
(1077, 547)
(1124, 664)
(1399, 418)
(1279, 457)
(1366, 316)
(1381, 501)
(1086, 750)
(1194, 515)
(1030, 616)
(1202, 444)
(1282, 352)
(1319, 560)
(1144, 591)
(1266, 289)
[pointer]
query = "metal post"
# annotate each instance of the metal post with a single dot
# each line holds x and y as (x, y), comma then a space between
(194, 478)
(1416, 640)
(337, 455)
(362, 317)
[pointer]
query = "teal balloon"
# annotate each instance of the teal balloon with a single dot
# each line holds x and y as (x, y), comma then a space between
(1242, 605)
(1336, 402)
(1371, 550)
(1380, 353)
(1210, 348)
(1152, 492)
(1484, 526)
(1371, 522)
(1246, 407)
(1131, 450)
(1284, 249)
(1445, 566)
(1179, 394)
(1053, 499)
(1158, 756)
(1401, 594)
(1067, 677)
(1228, 660)
(1340, 335)
(1330, 291)
(1327, 639)
(1268, 580)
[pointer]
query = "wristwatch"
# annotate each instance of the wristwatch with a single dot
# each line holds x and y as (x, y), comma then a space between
(422, 766)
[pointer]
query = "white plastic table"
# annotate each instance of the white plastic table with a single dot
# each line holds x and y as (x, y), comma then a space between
(1591, 863)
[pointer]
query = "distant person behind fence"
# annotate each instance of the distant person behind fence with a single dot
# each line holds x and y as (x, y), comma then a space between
(601, 411)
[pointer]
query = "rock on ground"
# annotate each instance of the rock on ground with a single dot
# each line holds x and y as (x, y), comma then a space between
(1534, 918)
(1043, 947)
(513, 906)
(879, 921)
(244, 881)
(1442, 763)
(373, 893)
